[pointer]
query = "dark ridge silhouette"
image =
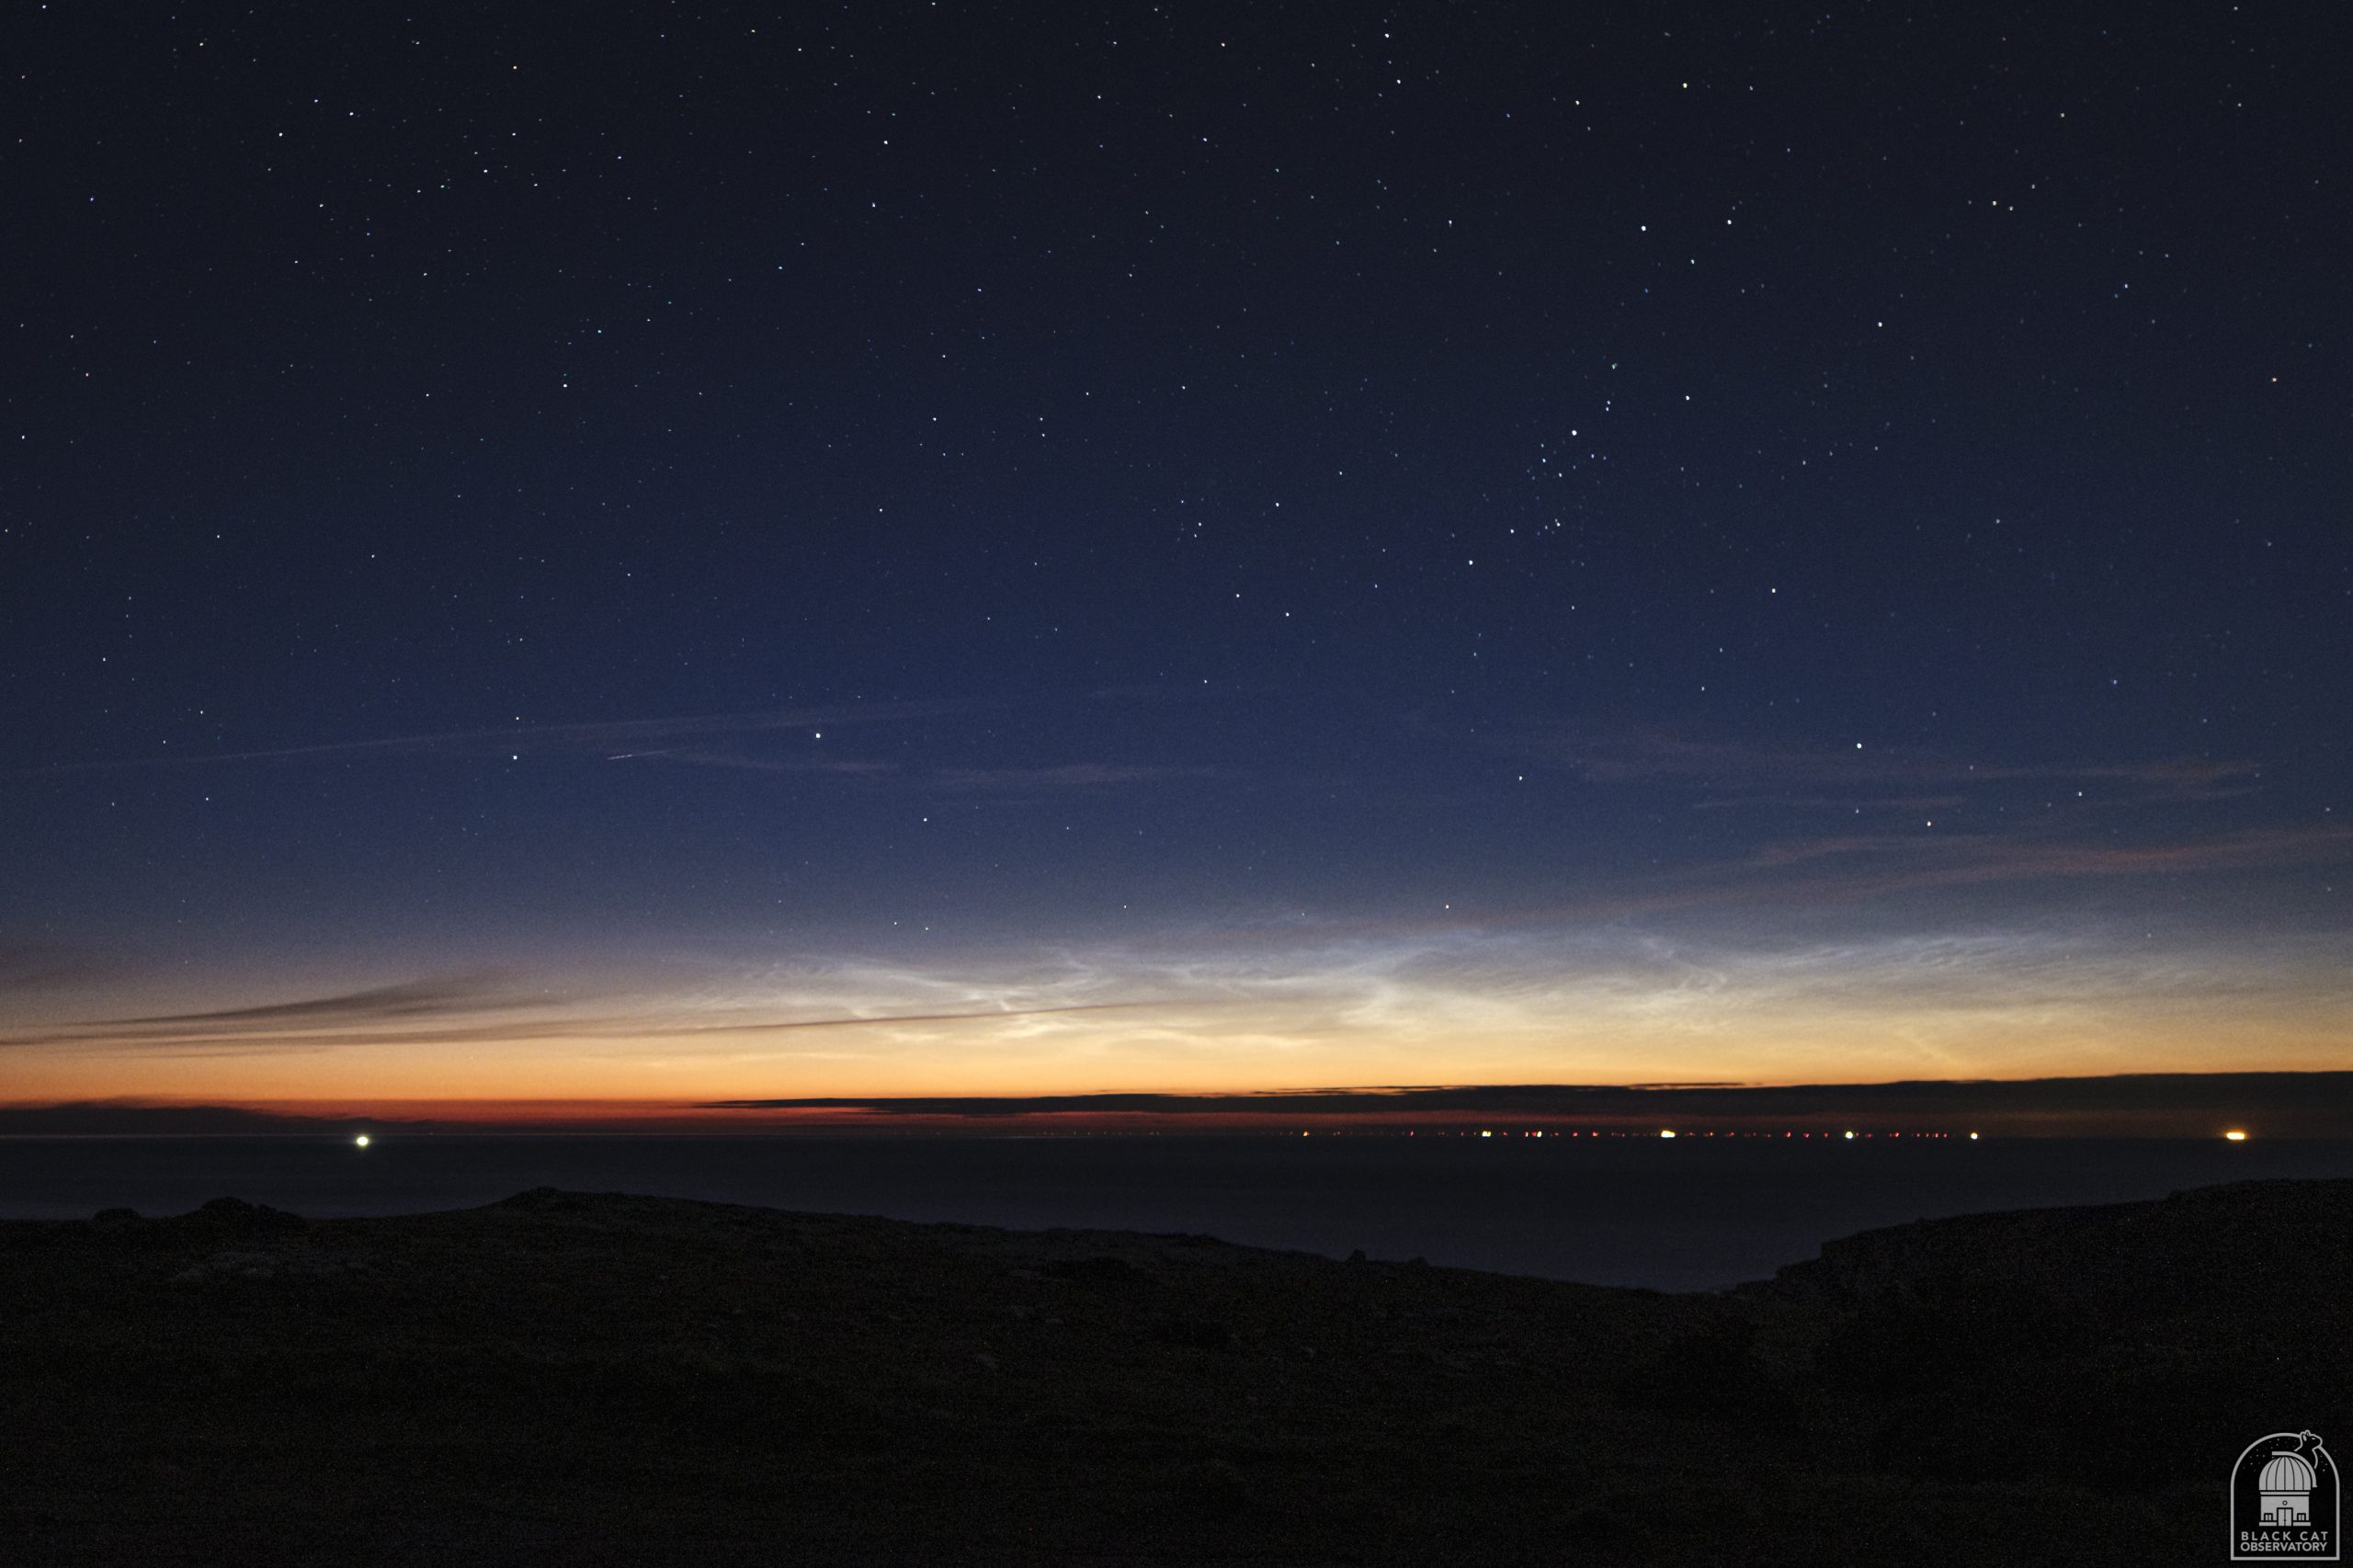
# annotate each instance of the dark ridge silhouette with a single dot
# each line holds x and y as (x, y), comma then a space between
(607, 1379)
(2317, 1105)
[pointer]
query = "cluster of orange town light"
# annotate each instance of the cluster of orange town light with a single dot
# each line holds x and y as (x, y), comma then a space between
(2235, 1135)
(1557, 1133)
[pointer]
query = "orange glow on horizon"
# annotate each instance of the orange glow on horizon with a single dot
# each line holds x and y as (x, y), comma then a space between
(1381, 1005)
(1207, 1115)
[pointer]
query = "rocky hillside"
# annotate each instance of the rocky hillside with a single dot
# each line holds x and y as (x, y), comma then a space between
(573, 1379)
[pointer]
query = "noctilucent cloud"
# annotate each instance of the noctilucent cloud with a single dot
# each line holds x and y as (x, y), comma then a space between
(754, 552)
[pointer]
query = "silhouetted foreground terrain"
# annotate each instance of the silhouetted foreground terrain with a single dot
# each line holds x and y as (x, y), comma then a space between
(571, 1379)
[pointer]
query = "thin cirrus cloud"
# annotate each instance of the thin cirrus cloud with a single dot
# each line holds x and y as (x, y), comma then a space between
(1570, 1001)
(1852, 866)
(641, 736)
(969, 1015)
(704, 756)
(1689, 969)
(688, 742)
(410, 1009)
(1824, 874)
(681, 739)
(1067, 777)
(1934, 819)
(485, 1010)
(1648, 753)
(417, 998)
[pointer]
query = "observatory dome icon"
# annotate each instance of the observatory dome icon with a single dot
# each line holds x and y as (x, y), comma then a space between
(2286, 1485)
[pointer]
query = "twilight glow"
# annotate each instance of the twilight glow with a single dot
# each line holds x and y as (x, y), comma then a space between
(1988, 953)
(647, 575)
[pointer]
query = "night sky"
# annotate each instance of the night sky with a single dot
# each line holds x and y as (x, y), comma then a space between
(703, 552)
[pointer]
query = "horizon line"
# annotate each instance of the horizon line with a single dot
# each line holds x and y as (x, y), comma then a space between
(2273, 1102)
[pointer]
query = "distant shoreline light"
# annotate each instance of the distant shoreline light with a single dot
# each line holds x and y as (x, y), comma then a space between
(1685, 1133)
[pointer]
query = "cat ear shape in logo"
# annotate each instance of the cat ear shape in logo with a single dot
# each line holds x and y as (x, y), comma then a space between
(2285, 1501)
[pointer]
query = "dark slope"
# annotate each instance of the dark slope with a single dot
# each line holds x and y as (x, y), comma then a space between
(570, 1378)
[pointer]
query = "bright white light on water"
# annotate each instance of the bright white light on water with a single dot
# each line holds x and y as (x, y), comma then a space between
(1850, 1135)
(1667, 1131)
(1973, 1137)
(2235, 1136)
(361, 1139)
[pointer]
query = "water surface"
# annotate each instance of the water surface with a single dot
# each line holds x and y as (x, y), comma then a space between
(1689, 1214)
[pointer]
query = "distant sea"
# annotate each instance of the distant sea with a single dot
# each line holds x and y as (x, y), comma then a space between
(1688, 1214)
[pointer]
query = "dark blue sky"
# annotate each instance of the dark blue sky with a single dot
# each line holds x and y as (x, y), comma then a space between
(1392, 546)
